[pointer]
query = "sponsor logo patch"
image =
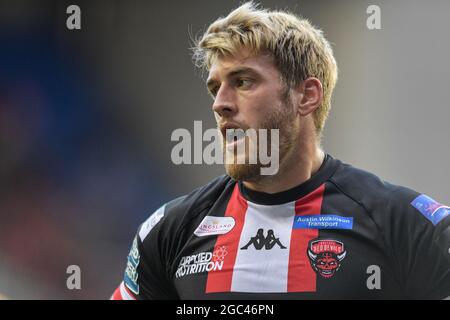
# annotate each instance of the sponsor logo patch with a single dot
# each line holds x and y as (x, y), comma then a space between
(151, 222)
(211, 226)
(326, 256)
(431, 209)
(131, 274)
(326, 221)
(202, 262)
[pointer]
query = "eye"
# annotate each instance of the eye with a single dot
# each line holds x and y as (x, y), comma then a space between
(213, 91)
(243, 83)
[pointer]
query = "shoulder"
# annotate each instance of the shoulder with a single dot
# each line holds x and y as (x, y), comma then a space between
(388, 201)
(365, 185)
(180, 211)
(378, 196)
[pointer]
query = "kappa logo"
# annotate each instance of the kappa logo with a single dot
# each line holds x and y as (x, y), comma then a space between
(326, 256)
(260, 241)
(211, 226)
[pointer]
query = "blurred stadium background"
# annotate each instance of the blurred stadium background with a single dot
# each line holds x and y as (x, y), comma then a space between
(86, 118)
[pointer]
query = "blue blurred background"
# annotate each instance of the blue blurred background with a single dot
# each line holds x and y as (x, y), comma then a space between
(86, 118)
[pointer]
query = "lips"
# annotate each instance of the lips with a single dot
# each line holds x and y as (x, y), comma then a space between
(232, 133)
(326, 274)
(229, 126)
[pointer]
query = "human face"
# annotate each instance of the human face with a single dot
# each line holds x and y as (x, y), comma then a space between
(248, 92)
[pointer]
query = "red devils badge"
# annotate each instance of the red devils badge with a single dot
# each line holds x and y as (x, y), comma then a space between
(326, 256)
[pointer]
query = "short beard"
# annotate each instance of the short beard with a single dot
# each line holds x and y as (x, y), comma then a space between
(283, 120)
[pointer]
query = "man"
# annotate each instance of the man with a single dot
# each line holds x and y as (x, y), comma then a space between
(317, 228)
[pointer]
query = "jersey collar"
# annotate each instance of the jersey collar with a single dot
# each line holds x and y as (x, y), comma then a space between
(326, 170)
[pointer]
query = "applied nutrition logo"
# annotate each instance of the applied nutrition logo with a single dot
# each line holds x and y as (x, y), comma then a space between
(202, 262)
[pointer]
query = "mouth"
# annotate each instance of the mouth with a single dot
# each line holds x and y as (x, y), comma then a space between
(232, 133)
(228, 127)
(326, 273)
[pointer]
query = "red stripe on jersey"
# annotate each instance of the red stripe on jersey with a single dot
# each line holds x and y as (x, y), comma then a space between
(116, 295)
(220, 281)
(301, 276)
(122, 293)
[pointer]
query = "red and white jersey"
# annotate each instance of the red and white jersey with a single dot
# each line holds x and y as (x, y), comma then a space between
(343, 234)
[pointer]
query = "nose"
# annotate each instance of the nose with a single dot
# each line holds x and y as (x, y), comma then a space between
(224, 103)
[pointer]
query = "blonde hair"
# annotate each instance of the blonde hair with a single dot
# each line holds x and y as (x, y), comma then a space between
(298, 48)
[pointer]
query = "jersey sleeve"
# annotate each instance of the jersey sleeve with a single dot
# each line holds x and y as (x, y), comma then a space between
(147, 273)
(420, 236)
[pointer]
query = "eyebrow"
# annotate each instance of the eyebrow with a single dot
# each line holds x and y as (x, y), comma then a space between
(234, 73)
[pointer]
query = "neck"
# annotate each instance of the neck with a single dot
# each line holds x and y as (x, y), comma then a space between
(300, 168)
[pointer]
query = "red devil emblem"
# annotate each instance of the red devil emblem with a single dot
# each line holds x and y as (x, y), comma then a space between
(326, 256)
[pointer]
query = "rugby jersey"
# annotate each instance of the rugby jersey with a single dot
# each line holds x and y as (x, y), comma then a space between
(342, 234)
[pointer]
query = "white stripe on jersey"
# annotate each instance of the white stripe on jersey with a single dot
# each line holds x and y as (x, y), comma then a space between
(264, 270)
(124, 293)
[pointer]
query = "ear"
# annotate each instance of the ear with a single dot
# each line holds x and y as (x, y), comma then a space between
(309, 95)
